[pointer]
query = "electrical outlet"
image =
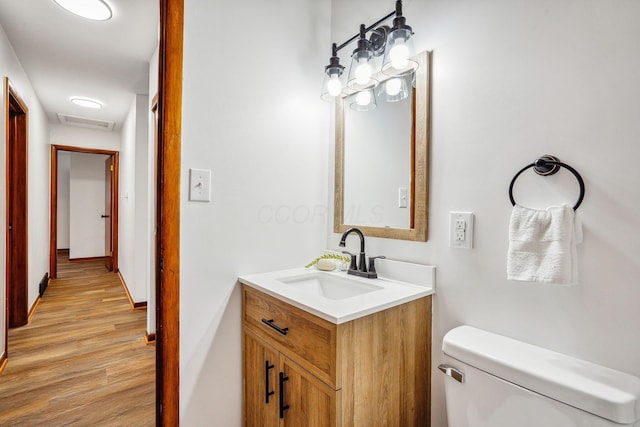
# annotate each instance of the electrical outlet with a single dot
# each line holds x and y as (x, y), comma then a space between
(461, 230)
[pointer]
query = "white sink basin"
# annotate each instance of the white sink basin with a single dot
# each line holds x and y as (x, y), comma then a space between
(328, 286)
(338, 297)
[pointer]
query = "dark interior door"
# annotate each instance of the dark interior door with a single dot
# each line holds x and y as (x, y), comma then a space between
(17, 250)
(108, 229)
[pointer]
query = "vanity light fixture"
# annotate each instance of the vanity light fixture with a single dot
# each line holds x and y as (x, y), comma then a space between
(364, 100)
(398, 53)
(396, 88)
(96, 10)
(86, 102)
(391, 82)
(333, 76)
(362, 64)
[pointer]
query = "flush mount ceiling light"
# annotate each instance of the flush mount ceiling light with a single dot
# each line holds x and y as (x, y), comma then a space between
(395, 73)
(86, 102)
(96, 10)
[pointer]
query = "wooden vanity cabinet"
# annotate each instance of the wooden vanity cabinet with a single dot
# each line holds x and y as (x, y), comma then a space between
(301, 370)
(308, 401)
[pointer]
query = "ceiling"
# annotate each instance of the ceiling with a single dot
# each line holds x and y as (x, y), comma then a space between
(65, 55)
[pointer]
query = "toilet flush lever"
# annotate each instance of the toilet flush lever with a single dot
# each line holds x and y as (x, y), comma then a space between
(454, 373)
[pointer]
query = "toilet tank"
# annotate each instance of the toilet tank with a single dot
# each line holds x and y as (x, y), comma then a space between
(495, 381)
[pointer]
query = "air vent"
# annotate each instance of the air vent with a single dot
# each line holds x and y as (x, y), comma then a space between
(85, 123)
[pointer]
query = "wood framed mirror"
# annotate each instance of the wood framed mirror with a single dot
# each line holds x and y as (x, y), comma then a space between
(382, 164)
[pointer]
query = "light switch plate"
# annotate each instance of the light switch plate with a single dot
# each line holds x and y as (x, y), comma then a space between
(402, 197)
(199, 185)
(461, 230)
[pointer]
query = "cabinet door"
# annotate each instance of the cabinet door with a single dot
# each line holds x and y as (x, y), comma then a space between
(311, 403)
(260, 383)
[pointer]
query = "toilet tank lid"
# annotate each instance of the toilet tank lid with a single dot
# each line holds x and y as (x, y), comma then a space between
(602, 391)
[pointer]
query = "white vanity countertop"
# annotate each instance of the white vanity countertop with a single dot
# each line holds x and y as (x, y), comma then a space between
(389, 293)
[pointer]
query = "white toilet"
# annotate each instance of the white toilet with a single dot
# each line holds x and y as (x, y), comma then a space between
(495, 381)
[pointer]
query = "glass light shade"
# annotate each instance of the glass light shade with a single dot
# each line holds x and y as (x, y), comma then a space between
(332, 85)
(96, 10)
(365, 100)
(398, 53)
(395, 88)
(361, 73)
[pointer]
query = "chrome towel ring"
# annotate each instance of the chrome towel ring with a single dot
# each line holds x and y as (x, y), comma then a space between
(545, 166)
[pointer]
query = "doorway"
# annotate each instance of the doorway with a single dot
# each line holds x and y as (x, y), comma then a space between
(17, 209)
(110, 217)
(169, 116)
(167, 257)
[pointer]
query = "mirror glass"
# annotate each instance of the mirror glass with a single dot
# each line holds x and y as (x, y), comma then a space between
(373, 199)
(381, 171)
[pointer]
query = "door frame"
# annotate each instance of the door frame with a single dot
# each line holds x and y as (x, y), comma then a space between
(53, 225)
(16, 138)
(168, 211)
(109, 201)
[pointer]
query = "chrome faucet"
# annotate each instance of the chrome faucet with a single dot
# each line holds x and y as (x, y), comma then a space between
(361, 269)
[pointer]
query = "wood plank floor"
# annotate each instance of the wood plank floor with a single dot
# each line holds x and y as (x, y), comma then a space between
(81, 360)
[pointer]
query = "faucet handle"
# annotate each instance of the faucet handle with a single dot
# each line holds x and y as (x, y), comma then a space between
(372, 263)
(352, 265)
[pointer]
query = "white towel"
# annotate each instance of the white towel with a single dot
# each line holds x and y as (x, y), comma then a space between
(542, 245)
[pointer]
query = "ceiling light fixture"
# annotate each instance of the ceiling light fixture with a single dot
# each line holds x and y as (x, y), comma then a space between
(96, 10)
(86, 102)
(396, 72)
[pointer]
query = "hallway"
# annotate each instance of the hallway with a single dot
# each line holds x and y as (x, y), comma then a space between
(82, 359)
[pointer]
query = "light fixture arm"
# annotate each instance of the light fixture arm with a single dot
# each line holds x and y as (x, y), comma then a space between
(369, 28)
(400, 22)
(398, 8)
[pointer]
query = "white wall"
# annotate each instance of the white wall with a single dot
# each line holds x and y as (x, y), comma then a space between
(263, 134)
(64, 169)
(84, 137)
(126, 202)
(86, 205)
(133, 257)
(513, 81)
(151, 189)
(143, 227)
(38, 184)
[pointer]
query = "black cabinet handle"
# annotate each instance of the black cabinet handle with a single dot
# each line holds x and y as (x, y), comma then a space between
(283, 407)
(267, 393)
(270, 323)
(104, 216)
